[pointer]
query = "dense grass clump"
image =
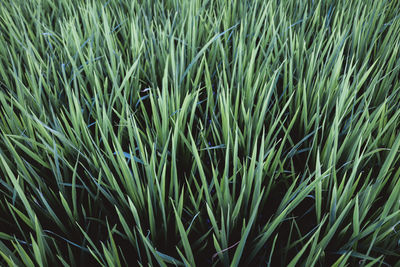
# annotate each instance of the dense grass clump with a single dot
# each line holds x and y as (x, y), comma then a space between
(200, 133)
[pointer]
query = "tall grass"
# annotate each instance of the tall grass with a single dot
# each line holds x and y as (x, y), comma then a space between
(199, 133)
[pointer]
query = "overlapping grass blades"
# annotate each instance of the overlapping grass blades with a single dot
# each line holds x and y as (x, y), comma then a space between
(196, 133)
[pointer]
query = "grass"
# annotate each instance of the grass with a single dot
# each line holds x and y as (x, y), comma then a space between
(200, 133)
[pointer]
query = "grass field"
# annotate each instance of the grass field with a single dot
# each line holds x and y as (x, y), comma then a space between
(200, 133)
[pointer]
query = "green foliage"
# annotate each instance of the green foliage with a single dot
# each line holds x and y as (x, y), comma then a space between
(199, 133)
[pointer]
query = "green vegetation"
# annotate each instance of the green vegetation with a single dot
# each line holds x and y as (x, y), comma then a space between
(200, 133)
